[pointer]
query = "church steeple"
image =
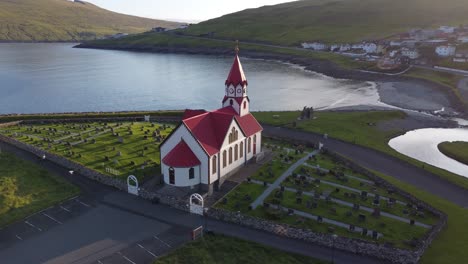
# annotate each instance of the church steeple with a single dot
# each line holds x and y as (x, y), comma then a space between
(236, 87)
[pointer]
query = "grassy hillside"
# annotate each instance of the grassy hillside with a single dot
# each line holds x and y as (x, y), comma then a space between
(455, 150)
(334, 20)
(62, 20)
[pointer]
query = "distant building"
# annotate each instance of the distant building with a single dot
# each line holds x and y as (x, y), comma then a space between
(463, 39)
(423, 34)
(159, 29)
(461, 56)
(369, 47)
(315, 46)
(184, 26)
(119, 35)
(445, 50)
(447, 29)
(395, 43)
(410, 53)
(345, 47)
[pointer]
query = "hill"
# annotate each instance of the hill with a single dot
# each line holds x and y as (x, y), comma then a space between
(62, 20)
(333, 20)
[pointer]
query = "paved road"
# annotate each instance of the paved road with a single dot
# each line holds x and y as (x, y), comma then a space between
(119, 227)
(381, 162)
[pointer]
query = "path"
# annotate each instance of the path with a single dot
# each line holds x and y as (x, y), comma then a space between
(118, 223)
(384, 163)
(280, 179)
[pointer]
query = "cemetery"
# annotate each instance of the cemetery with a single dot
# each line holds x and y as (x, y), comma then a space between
(116, 149)
(312, 190)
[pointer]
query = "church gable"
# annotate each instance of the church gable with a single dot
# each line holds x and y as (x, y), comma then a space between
(234, 134)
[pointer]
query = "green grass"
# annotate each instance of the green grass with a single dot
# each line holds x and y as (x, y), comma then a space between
(93, 155)
(61, 20)
(456, 150)
(214, 249)
(449, 63)
(26, 188)
(333, 21)
(354, 127)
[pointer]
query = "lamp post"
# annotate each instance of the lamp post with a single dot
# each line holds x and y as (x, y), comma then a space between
(334, 236)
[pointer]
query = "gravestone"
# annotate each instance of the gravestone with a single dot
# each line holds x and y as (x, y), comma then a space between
(375, 234)
(364, 231)
(412, 222)
(319, 219)
(352, 228)
(376, 212)
(361, 218)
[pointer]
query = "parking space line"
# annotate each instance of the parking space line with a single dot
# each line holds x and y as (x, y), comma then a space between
(162, 241)
(18, 237)
(65, 209)
(87, 205)
(127, 259)
(149, 252)
(28, 223)
(53, 219)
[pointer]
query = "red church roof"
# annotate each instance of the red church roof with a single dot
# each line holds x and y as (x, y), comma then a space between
(181, 156)
(210, 129)
(236, 75)
(191, 113)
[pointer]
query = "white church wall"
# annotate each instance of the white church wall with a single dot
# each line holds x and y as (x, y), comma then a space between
(181, 176)
(183, 133)
(224, 170)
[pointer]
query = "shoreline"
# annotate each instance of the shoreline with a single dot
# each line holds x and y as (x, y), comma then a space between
(330, 69)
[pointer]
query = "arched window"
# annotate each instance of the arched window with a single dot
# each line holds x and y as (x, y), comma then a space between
(245, 105)
(224, 159)
(230, 155)
(171, 175)
(231, 102)
(191, 173)
(214, 164)
(249, 145)
(241, 149)
(236, 152)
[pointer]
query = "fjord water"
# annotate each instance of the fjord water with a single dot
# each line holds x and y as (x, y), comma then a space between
(422, 145)
(45, 78)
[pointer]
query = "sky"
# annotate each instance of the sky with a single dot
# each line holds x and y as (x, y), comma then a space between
(181, 10)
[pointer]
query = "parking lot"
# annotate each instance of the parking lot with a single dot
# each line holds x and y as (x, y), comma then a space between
(44, 220)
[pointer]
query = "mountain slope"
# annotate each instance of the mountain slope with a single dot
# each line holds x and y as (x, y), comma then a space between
(62, 20)
(334, 20)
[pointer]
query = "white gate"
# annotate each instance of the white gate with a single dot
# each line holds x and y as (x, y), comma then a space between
(132, 183)
(196, 204)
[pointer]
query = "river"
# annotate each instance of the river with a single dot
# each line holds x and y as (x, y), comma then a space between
(45, 78)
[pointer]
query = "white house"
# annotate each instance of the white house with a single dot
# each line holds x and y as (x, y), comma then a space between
(314, 46)
(445, 50)
(447, 29)
(463, 39)
(209, 146)
(357, 46)
(410, 53)
(370, 47)
(345, 47)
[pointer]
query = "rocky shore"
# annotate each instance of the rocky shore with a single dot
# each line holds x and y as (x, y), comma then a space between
(399, 91)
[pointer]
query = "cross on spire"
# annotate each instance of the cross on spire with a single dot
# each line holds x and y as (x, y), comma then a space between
(237, 47)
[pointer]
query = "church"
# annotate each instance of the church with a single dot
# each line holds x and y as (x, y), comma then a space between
(209, 146)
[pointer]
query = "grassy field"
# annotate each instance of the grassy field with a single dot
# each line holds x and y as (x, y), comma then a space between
(26, 188)
(214, 249)
(455, 150)
(126, 148)
(148, 41)
(359, 128)
(333, 21)
(61, 20)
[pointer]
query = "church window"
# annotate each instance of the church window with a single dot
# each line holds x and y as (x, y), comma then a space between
(230, 155)
(231, 102)
(224, 159)
(171, 175)
(249, 145)
(236, 152)
(245, 105)
(191, 173)
(214, 164)
(241, 153)
(233, 136)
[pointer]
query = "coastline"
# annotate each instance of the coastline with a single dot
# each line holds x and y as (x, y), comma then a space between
(403, 87)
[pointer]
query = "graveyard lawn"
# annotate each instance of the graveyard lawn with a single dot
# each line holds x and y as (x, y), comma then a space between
(26, 188)
(213, 249)
(114, 149)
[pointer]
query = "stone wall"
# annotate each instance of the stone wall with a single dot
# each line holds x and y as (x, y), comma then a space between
(3, 125)
(355, 246)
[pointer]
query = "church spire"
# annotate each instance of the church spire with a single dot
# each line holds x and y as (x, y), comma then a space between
(236, 75)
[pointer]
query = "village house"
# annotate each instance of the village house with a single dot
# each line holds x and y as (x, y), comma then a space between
(463, 39)
(447, 29)
(315, 46)
(445, 50)
(158, 29)
(461, 56)
(209, 146)
(410, 53)
(369, 47)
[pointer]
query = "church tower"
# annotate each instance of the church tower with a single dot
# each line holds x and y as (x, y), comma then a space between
(236, 88)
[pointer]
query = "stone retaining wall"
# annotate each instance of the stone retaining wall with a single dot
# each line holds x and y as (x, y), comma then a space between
(355, 246)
